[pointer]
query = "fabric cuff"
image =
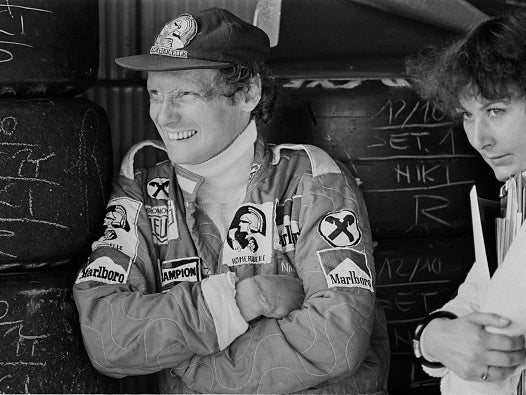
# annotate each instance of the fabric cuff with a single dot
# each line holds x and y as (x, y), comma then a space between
(436, 372)
(219, 292)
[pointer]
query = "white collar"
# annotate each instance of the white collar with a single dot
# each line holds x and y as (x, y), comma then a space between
(225, 176)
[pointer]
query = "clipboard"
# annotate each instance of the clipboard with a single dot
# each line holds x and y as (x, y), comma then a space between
(484, 213)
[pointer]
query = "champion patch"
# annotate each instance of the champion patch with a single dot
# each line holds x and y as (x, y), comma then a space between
(178, 270)
(158, 188)
(249, 237)
(346, 267)
(175, 35)
(120, 226)
(340, 229)
(103, 270)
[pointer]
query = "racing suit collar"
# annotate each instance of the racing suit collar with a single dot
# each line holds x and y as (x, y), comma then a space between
(261, 165)
(224, 177)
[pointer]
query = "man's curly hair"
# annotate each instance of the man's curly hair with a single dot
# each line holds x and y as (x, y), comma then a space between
(238, 77)
(490, 62)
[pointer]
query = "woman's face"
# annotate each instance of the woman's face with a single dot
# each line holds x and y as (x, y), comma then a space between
(497, 130)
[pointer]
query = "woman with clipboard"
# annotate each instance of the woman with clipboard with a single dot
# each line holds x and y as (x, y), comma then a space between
(475, 342)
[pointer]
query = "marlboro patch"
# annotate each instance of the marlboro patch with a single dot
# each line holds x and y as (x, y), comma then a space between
(346, 267)
(103, 270)
(340, 229)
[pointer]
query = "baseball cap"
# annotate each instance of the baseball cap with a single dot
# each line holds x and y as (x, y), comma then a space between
(208, 39)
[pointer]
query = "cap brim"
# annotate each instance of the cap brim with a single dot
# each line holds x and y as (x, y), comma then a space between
(166, 63)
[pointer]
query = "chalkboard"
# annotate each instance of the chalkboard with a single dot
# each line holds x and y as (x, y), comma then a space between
(48, 48)
(55, 176)
(415, 168)
(41, 349)
(414, 277)
(405, 153)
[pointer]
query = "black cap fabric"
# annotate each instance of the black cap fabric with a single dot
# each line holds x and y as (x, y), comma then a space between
(209, 39)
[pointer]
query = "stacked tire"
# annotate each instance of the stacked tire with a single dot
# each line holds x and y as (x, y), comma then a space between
(415, 168)
(55, 176)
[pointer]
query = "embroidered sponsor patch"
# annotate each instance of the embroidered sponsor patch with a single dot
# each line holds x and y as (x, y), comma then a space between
(340, 229)
(158, 188)
(249, 237)
(346, 267)
(163, 220)
(103, 270)
(287, 226)
(120, 226)
(178, 270)
(175, 35)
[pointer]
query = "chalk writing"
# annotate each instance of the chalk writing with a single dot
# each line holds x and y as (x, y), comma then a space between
(19, 344)
(54, 176)
(13, 27)
(8, 125)
(20, 165)
(87, 157)
(396, 268)
(400, 114)
(420, 146)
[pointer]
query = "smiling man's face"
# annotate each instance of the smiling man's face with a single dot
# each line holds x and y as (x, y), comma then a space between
(192, 115)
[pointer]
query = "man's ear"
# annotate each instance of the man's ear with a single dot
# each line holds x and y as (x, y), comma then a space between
(252, 96)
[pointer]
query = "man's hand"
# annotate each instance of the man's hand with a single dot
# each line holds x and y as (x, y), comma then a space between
(467, 348)
(273, 296)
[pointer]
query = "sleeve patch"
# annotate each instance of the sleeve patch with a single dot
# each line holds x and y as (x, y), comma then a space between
(103, 270)
(158, 188)
(178, 270)
(249, 238)
(345, 267)
(340, 229)
(120, 226)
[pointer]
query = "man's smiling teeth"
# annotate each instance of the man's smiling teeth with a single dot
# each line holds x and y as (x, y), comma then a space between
(181, 135)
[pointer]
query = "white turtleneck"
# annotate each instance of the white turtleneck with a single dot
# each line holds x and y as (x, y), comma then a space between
(225, 178)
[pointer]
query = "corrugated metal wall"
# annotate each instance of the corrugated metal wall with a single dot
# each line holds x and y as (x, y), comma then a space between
(127, 27)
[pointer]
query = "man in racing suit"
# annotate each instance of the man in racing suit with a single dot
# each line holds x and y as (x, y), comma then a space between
(163, 290)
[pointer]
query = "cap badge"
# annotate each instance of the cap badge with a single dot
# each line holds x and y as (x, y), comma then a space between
(175, 35)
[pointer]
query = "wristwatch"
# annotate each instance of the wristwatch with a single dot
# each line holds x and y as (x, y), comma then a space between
(417, 349)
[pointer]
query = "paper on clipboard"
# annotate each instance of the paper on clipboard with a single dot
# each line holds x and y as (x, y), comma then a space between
(478, 235)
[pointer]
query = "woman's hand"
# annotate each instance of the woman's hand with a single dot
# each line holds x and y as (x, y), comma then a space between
(467, 348)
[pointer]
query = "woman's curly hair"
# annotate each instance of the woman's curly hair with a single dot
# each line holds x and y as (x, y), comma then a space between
(238, 77)
(490, 62)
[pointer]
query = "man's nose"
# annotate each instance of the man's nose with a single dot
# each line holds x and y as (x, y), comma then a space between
(168, 113)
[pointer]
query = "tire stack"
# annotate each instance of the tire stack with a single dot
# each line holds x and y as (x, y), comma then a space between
(55, 177)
